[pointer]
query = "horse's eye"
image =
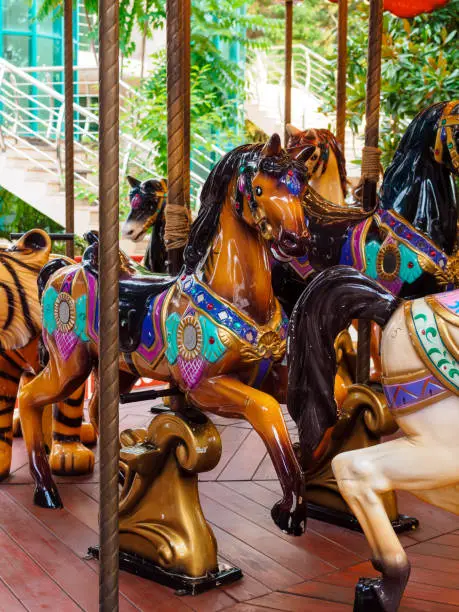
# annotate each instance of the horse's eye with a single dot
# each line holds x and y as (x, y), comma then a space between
(258, 190)
(314, 157)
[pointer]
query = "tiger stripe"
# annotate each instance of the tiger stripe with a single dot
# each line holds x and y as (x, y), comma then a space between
(10, 374)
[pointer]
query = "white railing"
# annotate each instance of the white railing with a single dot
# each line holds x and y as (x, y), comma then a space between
(310, 71)
(32, 124)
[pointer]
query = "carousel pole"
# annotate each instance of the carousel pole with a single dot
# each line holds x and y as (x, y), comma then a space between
(342, 73)
(108, 286)
(288, 66)
(370, 157)
(69, 154)
(177, 211)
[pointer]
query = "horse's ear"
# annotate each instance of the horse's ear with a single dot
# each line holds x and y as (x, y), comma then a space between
(273, 147)
(305, 154)
(133, 182)
(292, 130)
(164, 183)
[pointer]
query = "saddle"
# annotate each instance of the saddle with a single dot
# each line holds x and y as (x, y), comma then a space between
(137, 286)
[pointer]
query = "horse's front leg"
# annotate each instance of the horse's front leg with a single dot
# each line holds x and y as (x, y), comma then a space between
(56, 382)
(227, 396)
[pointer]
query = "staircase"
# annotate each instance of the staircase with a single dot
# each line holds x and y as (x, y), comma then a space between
(32, 147)
(265, 101)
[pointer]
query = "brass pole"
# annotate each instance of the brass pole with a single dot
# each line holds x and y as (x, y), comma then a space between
(288, 66)
(108, 287)
(371, 140)
(342, 73)
(68, 90)
(178, 130)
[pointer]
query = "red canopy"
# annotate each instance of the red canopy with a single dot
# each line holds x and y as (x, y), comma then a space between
(410, 8)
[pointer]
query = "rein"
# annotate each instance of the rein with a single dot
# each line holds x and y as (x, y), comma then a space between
(445, 135)
(244, 187)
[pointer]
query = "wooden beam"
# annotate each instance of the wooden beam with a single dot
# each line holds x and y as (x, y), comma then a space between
(108, 288)
(342, 73)
(178, 130)
(69, 155)
(288, 66)
(373, 92)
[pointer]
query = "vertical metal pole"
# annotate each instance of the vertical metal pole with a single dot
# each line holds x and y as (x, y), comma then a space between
(342, 73)
(178, 129)
(371, 140)
(288, 66)
(68, 90)
(108, 289)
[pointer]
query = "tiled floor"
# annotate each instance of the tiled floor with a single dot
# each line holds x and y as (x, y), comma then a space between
(43, 564)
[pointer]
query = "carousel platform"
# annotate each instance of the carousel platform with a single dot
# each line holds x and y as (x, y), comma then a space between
(43, 562)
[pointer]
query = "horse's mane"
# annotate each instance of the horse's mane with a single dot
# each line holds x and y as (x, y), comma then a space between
(156, 255)
(417, 187)
(215, 190)
(325, 137)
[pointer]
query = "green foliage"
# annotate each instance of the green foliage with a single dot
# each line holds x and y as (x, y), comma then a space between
(147, 15)
(420, 66)
(313, 23)
(18, 216)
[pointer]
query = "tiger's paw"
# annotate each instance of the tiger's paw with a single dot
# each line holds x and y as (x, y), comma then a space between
(5, 459)
(71, 459)
(88, 434)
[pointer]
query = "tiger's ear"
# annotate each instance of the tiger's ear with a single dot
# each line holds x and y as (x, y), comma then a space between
(273, 147)
(133, 182)
(36, 240)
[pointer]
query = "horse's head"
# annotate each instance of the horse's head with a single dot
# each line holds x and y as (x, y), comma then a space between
(447, 137)
(269, 195)
(146, 199)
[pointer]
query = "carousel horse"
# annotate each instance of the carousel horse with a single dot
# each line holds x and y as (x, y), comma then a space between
(147, 200)
(417, 187)
(20, 330)
(420, 357)
(215, 331)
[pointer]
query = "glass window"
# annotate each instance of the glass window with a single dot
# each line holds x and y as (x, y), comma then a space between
(16, 15)
(16, 49)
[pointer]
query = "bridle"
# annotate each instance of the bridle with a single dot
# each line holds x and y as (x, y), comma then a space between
(244, 187)
(447, 126)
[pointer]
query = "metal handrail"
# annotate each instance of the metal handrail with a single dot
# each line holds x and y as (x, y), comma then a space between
(26, 116)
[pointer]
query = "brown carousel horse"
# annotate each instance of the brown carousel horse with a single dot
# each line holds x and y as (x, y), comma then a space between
(216, 331)
(420, 358)
(20, 330)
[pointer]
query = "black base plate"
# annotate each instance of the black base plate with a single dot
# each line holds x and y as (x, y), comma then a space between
(184, 585)
(343, 519)
(365, 597)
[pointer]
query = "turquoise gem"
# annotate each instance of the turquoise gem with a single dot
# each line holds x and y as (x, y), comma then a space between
(172, 323)
(48, 301)
(81, 318)
(212, 346)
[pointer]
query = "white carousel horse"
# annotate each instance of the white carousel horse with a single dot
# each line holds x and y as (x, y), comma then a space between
(420, 361)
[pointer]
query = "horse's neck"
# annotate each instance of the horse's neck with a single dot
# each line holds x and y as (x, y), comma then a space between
(238, 269)
(328, 185)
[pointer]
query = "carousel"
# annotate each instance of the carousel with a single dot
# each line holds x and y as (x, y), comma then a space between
(303, 334)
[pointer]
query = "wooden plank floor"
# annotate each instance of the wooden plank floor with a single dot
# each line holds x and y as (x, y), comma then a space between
(43, 564)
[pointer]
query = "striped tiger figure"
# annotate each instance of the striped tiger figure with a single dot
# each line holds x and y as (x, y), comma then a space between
(20, 331)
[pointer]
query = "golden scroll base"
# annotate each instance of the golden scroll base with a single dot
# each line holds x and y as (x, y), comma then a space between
(163, 533)
(364, 419)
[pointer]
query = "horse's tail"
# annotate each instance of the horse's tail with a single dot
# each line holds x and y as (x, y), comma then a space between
(48, 270)
(328, 306)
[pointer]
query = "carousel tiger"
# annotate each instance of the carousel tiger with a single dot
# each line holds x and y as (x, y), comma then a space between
(20, 332)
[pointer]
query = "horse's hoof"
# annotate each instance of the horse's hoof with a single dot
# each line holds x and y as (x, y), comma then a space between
(47, 498)
(366, 595)
(293, 523)
(71, 459)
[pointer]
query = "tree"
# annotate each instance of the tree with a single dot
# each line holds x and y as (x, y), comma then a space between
(420, 66)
